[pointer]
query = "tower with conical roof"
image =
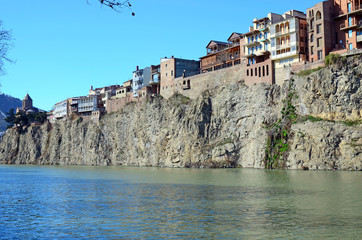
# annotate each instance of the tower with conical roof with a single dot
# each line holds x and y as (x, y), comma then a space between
(27, 102)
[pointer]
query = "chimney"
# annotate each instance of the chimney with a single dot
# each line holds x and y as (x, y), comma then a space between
(137, 68)
(91, 87)
(172, 56)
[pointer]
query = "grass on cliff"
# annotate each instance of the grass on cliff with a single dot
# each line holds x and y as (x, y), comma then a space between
(310, 71)
(348, 123)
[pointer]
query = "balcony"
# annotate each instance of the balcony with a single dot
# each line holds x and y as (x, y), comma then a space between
(359, 38)
(357, 9)
(281, 33)
(284, 55)
(250, 44)
(348, 26)
(285, 45)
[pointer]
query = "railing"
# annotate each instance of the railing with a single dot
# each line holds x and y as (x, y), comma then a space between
(353, 23)
(353, 9)
(282, 32)
(283, 55)
(285, 45)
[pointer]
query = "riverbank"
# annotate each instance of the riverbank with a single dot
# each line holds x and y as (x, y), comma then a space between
(228, 126)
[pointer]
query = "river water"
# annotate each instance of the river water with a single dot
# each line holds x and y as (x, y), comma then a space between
(160, 203)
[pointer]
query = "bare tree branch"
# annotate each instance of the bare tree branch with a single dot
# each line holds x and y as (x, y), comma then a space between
(5, 45)
(117, 5)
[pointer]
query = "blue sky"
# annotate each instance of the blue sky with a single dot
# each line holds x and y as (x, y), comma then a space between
(61, 48)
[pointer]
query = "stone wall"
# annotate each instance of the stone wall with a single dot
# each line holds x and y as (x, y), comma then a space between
(302, 66)
(193, 86)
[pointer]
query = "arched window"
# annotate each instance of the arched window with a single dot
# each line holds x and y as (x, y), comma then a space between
(277, 28)
(318, 15)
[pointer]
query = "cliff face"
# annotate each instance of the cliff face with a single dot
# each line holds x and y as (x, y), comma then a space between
(224, 127)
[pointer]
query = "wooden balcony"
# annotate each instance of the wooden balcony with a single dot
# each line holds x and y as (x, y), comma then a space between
(357, 9)
(354, 24)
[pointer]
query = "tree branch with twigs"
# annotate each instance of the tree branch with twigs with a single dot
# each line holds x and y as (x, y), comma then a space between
(117, 5)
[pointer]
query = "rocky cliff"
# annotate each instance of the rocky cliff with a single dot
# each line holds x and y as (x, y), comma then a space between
(224, 127)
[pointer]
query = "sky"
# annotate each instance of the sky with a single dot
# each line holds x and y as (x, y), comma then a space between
(61, 48)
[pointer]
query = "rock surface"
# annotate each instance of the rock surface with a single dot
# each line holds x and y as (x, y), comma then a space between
(224, 127)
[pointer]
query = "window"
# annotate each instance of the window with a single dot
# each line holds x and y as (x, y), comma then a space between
(249, 39)
(311, 50)
(319, 42)
(267, 70)
(171, 72)
(256, 38)
(350, 33)
(311, 38)
(320, 54)
(265, 35)
(266, 46)
(263, 71)
(350, 21)
(311, 24)
(349, 6)
(259, 71)
(256, 72)
(318, 15)
(319, 26)
(247, 72)
(251, 72)
(350, 46)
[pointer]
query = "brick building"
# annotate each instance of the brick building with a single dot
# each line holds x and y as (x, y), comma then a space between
(172, 68)
(222, 54)
(322, 36)
(348, 22)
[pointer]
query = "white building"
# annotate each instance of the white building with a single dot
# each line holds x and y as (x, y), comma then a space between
(60, 109)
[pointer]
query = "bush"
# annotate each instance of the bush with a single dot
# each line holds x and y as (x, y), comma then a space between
(332, 59)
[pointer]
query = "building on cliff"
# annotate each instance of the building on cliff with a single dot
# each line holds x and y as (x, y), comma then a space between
(27, 106)
(172, 68)
(222, 54)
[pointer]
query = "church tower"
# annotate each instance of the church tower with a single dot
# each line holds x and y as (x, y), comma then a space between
(27, 102)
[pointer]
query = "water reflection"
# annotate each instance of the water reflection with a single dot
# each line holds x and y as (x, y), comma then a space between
(152, 203)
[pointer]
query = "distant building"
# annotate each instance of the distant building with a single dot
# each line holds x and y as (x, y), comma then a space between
(27, 106)
(322, 35)
(222, 54)
(172, 68)
(289, 43)
(60, 110)
(88, 104)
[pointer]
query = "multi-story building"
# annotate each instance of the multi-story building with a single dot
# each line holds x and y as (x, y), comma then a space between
(289, 43)
(172, 68)
(348, 22)
(140, 79)
(60, 110)
(256, 47)
(88, 104)
(322, 35)
(222, 54)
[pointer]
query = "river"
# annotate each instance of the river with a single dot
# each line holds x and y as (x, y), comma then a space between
(38, 202)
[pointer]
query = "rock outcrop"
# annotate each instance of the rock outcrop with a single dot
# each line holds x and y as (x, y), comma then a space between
(224, 127)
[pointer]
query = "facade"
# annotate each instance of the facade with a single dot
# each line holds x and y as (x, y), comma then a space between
(257, 47)
(222, 54)
(322, 35)
(289, 43)
(348, 23)
(60, 110)
(88, 104)
(172, 68)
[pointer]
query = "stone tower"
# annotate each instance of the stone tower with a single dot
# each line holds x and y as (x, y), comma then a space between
(27, 102)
